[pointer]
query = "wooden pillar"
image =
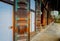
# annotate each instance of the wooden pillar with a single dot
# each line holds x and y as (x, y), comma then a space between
(28, 28)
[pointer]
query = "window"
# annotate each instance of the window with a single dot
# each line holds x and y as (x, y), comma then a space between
(32, 4)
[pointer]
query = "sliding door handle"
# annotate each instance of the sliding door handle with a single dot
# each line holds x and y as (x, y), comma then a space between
(10, 27)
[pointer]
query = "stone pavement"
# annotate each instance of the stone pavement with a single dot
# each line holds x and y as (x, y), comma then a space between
(50, 33)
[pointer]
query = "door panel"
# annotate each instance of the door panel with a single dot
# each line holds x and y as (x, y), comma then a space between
(6, 22)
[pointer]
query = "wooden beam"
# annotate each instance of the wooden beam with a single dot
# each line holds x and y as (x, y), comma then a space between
(8, 2)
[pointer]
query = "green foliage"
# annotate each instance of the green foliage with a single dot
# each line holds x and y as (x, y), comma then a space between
(59, 12)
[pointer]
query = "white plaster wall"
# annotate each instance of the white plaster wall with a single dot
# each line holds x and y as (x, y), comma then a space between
(32, 21)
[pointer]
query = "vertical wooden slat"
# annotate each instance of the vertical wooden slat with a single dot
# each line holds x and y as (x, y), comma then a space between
(28, 21)
(35, 16)
(13, 22)
(28, 28)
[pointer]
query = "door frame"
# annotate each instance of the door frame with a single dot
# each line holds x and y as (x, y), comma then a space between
(8, 2)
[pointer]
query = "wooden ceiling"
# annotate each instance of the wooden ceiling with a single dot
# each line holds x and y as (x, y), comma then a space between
(53, 4)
